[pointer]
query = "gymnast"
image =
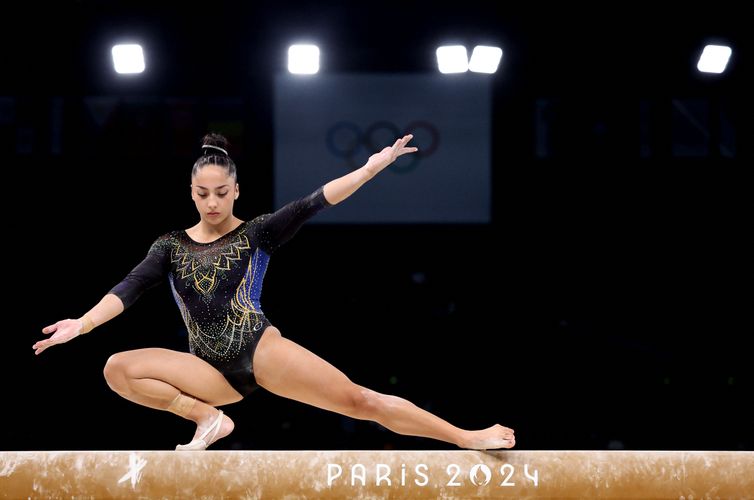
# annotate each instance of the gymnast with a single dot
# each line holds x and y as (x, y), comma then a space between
(215, 270)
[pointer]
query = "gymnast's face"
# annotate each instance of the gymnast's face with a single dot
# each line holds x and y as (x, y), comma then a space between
(214, 192)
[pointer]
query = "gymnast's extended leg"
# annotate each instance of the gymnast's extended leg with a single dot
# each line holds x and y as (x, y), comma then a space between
(289, 370)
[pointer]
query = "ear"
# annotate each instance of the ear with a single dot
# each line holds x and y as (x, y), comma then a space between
(237, 192)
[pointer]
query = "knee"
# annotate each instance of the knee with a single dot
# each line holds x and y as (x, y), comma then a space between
(367, 404)
(115, 372)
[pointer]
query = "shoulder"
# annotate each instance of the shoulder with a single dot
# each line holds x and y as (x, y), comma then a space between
(166, 240)
(258, 219)
(172, 235)
(258, 223)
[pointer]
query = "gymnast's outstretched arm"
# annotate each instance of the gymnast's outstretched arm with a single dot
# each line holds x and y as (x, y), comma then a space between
(148, 274)
(64, 330)
(279, 227)
(341, 188)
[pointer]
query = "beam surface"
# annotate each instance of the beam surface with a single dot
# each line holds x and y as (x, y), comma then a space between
(378, 474)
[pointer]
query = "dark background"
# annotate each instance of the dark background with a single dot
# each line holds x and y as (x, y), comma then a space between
(606, 305)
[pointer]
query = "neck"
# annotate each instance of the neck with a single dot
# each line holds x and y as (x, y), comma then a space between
(218, 229)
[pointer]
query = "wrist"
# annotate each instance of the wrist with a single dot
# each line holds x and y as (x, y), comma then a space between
(87, 325)
(367, 173)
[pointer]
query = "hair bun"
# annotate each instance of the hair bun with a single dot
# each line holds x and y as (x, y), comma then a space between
(215, 152)
(211, 150)
(211, 143)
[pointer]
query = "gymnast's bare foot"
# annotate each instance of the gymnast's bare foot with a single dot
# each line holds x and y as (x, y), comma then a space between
(491, 438)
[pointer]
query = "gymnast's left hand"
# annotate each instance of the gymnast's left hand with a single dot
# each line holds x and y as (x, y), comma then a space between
(379, 161)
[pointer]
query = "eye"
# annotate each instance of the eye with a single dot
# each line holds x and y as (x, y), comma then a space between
(202, 195)
(222, 194)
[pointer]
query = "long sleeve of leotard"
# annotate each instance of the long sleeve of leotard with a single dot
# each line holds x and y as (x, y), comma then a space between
(149, 273)
(280, 226)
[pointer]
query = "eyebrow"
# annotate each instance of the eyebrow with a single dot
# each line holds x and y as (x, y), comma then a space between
(218, 187)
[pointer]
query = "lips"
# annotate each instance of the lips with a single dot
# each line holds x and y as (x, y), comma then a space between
(212, 214)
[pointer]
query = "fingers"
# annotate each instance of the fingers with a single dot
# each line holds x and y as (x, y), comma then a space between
(399, 143)
(39, 346)
(44, 344)
(399, 146)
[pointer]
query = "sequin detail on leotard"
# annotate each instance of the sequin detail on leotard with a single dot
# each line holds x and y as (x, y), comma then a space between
(217, 285)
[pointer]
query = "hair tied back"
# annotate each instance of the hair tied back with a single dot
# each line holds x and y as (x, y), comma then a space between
(207, 152)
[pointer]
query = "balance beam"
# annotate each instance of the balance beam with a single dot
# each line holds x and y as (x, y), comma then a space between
(378, 474)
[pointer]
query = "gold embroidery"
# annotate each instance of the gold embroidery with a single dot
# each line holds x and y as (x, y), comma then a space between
(202, 267)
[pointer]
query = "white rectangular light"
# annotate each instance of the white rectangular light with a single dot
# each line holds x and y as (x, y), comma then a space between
(714, 58)
(128, 58)
(452, 59)
(485, 59)
(303, 59)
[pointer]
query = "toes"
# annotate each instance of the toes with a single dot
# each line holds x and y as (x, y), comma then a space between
(509, 443)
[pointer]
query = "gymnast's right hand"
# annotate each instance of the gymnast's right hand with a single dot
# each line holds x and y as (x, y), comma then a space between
(64, 330)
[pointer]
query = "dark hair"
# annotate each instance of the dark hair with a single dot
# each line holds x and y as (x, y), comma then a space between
(215, 152)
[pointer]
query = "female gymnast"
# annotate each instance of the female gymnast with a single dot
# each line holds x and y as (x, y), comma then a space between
(215, 270)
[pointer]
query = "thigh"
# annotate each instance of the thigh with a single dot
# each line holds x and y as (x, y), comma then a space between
(289, 370)
(182, 370)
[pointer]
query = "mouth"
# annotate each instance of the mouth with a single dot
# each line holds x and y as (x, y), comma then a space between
(213, 214)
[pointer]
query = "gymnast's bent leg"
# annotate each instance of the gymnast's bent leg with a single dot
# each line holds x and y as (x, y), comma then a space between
(174, 381)
(289, 370)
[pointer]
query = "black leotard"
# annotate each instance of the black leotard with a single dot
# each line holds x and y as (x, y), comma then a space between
(217, 285)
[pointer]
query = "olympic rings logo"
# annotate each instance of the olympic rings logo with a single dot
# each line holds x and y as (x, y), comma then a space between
(345, 140)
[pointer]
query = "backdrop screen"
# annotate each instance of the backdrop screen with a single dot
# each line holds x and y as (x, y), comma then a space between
(329, 125)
